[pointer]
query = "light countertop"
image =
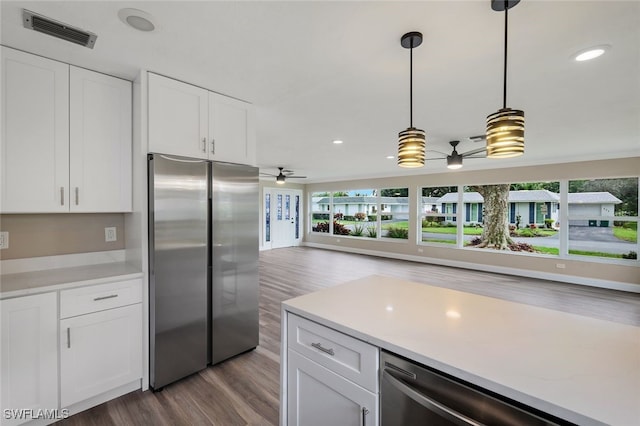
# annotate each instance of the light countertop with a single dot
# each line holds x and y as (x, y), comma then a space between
(578, 368)
(25, 283)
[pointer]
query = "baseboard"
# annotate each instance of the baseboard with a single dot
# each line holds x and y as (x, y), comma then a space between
(571, 279)
(104, 397)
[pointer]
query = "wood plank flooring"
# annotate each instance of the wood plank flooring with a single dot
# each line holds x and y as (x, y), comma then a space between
(245, 389)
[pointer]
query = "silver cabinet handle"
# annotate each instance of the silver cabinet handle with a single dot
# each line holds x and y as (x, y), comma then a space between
(62, 195)
(111, 296)
(77, 195)
(319, 347)
(428, 403)
(213, 146)
(364, 416)
(68, 337)
(204, 144)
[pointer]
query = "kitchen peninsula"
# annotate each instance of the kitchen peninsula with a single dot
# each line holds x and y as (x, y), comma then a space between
(575, 368)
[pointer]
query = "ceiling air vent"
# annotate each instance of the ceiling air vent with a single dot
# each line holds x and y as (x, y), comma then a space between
(58, 29)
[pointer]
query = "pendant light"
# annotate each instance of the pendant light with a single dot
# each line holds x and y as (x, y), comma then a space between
(411, 142)
(505, 128)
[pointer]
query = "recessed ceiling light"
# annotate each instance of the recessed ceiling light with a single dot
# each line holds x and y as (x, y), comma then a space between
(138, 19)
(337, 142)
(390, 157)
(591, 53)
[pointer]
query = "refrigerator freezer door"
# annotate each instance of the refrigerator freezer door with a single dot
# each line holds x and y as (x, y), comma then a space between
(234, 261)
(178, 259)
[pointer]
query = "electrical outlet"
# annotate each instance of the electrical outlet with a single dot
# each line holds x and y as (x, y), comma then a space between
(4, 240)
(560, 265)
(110, 234)
(337, 240)
(420, 250)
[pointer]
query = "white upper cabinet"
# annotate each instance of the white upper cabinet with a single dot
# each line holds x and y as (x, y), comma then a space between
(35, 134)
(66, 138)
(194, 122)
(178, 117)
(231, 130)
(100, 142)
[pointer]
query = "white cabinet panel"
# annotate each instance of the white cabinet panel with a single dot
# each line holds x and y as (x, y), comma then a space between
(29, 354)
(178, 118)
(231, 130)
(99, 352)
(193, 122)
(100, 142)
(35, 134)
(320, 397)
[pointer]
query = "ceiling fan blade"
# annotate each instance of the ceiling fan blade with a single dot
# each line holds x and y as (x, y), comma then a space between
(435, 158)
(478, 138)
(267, 174)
(439, 152)
(296, 177)
(474, 152)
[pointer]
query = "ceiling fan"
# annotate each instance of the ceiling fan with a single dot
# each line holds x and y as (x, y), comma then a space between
(454, 160)
(283, 175)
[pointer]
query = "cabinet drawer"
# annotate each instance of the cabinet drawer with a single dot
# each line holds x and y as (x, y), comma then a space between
(84, 300)
(349, 357)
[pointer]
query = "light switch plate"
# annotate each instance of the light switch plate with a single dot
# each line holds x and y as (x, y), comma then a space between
(110, 234)
(4, 240)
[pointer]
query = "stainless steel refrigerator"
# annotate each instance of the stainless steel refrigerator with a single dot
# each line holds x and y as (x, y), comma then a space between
(203, 264)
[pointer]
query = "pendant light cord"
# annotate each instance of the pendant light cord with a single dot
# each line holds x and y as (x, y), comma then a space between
(506, 20)
(411, 85)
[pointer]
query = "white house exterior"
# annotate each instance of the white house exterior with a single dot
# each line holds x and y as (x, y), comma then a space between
(397, 207)
(591, 205)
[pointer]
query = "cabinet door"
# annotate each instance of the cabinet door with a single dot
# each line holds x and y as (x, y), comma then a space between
(318, 396)
(99, 352)
(29, 354)
(231, 130)
(35, 134)
(100, 142)
(178, 117)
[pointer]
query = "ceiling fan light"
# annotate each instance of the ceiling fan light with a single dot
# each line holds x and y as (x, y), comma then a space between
(280, 179)
(411, 148)
(454, 161)
(505, 133)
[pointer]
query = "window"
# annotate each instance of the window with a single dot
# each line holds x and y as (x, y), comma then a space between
(320, 211)
(603, 218)
(438, 209)
(394, 213)
(354, 213)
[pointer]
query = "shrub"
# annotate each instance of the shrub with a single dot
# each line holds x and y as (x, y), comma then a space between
(631, 255)
(548, 223)
(340, 229)
(522, 247)
(450, 225)
(320, 216)
(360, 216)
(338, 216)
(394, 232)
(426, 223)
(475, 241)
(321, 227)
(349, 218)
(386, 217)
(526, 233)
(533, 226)
(358, 230)
(630, 225)
(372, 232)
(372, 217)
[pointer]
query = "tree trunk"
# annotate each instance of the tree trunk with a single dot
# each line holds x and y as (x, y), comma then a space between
(495, 233)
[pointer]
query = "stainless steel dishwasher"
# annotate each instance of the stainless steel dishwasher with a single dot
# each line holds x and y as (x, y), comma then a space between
(412, 394)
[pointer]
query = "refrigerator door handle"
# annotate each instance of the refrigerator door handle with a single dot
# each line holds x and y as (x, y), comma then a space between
(182, 160)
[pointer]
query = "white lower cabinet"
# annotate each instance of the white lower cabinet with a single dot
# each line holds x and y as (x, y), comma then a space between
(320, 397)
(29, 357)
(331, 378)
(99, 352)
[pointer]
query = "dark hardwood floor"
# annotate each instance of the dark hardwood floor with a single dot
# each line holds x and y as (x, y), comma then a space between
(245, 389)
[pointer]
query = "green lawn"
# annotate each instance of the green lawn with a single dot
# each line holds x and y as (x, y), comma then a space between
(625, 234)
(435, 240)
(555, 251)
(403, 225)
(468, 230)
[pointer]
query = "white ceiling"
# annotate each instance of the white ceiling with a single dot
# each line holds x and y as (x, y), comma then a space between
(318, 71)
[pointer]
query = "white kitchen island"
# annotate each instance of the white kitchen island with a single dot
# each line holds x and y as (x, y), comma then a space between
(577, 368)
